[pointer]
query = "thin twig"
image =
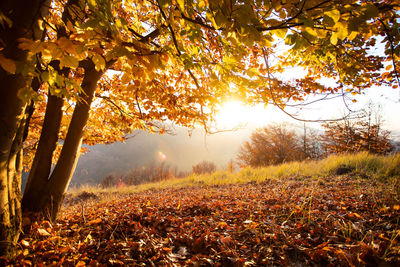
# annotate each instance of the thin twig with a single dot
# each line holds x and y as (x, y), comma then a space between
(176, 44)
(391, 42)
(265, 55)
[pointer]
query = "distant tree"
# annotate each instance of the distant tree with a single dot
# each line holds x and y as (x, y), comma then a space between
(231, 166)
(362, 134)
(272, 144)
(182, 174)
(152, 172)
(109, 181)
(204, 167)
(310, 144)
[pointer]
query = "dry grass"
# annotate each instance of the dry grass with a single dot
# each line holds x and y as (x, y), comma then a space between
(362, 165)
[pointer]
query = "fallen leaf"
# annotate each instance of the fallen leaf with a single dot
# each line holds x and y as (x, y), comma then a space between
(43, 232)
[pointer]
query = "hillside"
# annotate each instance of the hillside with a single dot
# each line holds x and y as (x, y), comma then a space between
(347, 215)
(181, 149)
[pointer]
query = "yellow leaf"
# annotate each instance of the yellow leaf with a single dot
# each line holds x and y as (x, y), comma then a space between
(45, 76)
(342, 31)
(66, 45)
(88, 238)
(281, 33)
(69, 61)
(334, 38)
(30, 45)
(253, 72)
(388, 67)
(125, 78)
(181, 4)
(333, 14)
(311, 31)
(321, 33)
(99, 62)
(352, 36)
(8, 64)
(46, 55)
(396, 207)
(202, 3)
(92, 2)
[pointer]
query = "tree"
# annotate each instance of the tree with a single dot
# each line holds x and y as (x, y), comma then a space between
(151, 172)
(18, 19)
(172, 60)
(231, 166)
(109, 181)
(310, 144)
(362, 134)
(273, 144)
(204, 167)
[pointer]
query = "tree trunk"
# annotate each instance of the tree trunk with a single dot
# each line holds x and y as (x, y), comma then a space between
(11, 122)
(14, 171)
(41, 166)
(24, 16)
(36, 197)
(43, 161)
(53, 193)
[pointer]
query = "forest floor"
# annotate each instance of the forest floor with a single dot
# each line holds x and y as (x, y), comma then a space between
(337, 220)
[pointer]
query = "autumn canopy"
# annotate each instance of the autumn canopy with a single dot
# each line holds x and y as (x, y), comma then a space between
(93, 71)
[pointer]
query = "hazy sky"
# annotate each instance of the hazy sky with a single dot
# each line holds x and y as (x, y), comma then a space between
(386, 97)
(234, 115)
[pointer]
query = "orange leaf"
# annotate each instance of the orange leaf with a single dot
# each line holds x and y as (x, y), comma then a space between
(95, 221)
(166, 249)
(80, 263)
(222, 225)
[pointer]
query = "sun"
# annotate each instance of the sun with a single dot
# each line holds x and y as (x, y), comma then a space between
(161, 156)
(234, 114)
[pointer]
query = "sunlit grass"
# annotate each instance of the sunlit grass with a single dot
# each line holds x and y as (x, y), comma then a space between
(367, 166)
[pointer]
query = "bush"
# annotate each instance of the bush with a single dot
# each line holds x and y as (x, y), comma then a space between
(110, 181)
(204, 167)
(275, 144)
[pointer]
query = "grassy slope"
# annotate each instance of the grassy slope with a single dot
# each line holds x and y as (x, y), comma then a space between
(363, 165)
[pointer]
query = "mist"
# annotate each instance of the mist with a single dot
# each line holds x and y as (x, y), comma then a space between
(181, 150)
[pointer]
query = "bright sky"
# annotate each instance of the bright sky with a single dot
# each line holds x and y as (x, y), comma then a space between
(234, 115)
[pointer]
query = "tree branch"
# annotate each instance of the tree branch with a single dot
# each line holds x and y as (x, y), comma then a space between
(265, 55)
(391, 42)
(176, 44)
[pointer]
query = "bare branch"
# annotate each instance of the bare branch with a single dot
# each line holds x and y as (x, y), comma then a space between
(392, 47)
(265, 55)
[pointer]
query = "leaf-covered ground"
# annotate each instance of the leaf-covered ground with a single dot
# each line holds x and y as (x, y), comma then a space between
(335, 221)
